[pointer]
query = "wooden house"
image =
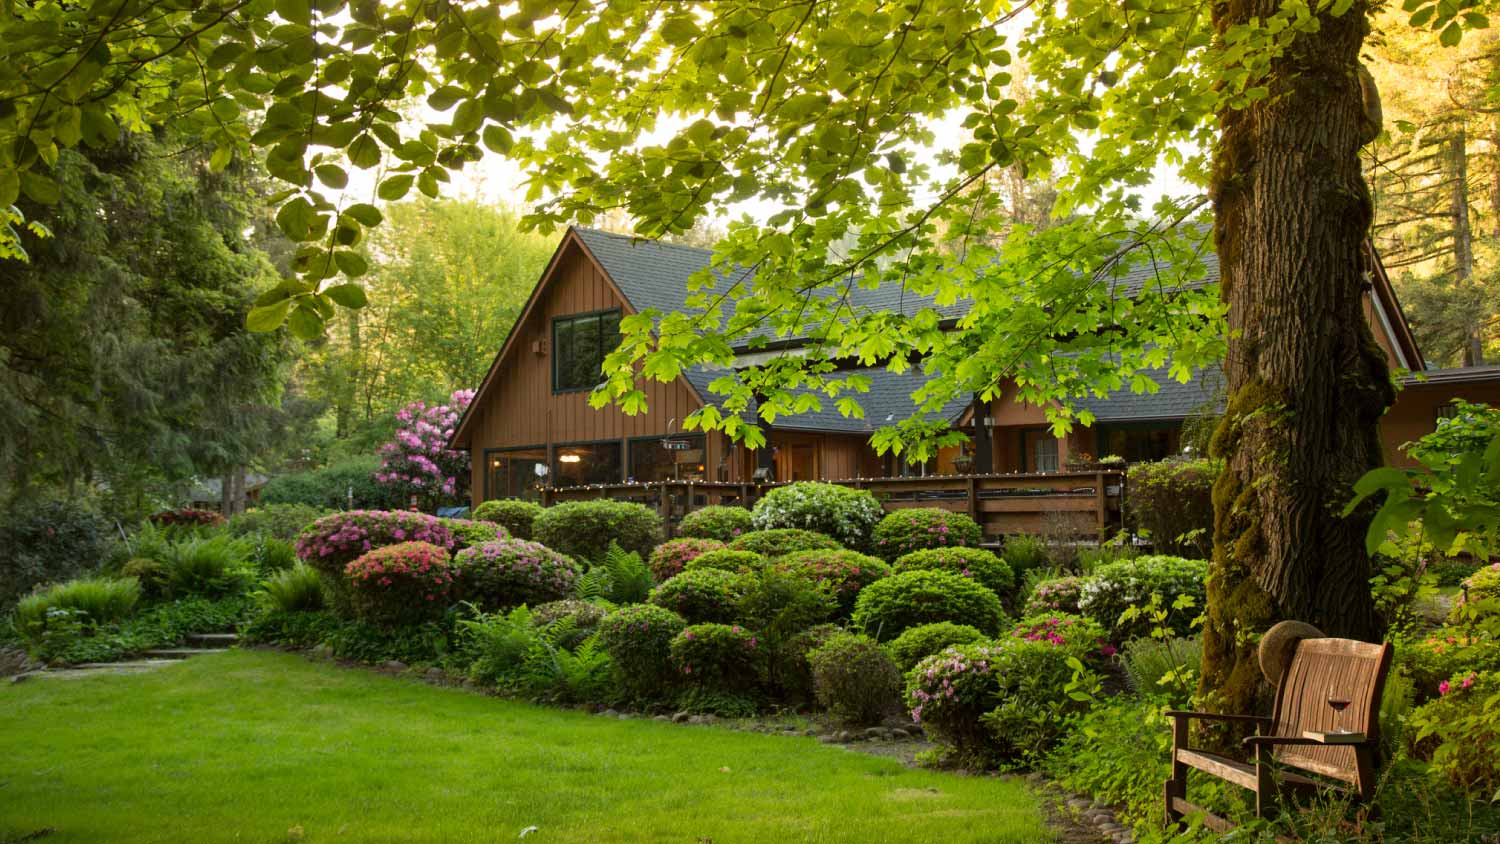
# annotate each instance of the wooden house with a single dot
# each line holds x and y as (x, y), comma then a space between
(530, 424)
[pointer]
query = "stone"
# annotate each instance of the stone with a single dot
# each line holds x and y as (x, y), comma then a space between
(609, 713)
(829, 739)
(395, 665)
(436, 675)
(626, 716)
(681, 717)
(666, 718)
(875, 733)
(1078, 803)
(790, 729)
(843, 736)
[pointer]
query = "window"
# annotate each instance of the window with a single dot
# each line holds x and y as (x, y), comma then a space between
(676, 458)
(1045, 455)
(579, 344)
(1138, 444)
(512, 472)
(581, 464)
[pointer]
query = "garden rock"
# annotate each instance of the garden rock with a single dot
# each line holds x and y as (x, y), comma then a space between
(681, 718)
(395, 665)
(610, 713)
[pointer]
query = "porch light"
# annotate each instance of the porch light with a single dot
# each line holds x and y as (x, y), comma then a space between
(568, 458)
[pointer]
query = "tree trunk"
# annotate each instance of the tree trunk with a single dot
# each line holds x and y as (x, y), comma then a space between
(1463, 242)
(1307, 382)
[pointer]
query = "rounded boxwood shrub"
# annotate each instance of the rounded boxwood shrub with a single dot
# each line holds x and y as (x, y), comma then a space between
(470, 532)
(721, 657)
(977, 564)
(584, 529)
(670, 557)
(1115, 586)
(791, 674)
(638, 639)
(889, 607)
(401, 584)
(843, 572)
(905, 531)
(924, 640)
(846, 514)
(716, 522)
(728, 559)
(855, 680)
(283, 521)
(513, 514)
(509, 572)
(992, 701)
(1480, 597)
(1076, 635)
(702, 595)
(783, 541)
(1058, 594)
(332, 542)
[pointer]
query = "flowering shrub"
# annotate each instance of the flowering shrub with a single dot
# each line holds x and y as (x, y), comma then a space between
(702, 595)
(1074, 635)
(1442, 654)
(670, 557)
(905, 531)
(855, 680)
(888, 607)
(848, 515)
(638, 639)
(716, 522)
(1480, 597)
(783, 541)
(332, 542)
(514, 514)
(977, 564)
(509, 572)
(924, 640)
(467, 532)
(994, 701)
(719, 656)
(1116, 586)
(406, 583)
(418, 462)
(844, 573)
(584, 529)
(187, 517)
(728, 559)
(1058, 594)
(1459, 732)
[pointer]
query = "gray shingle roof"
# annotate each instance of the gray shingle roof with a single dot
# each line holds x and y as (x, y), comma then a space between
(654, 275)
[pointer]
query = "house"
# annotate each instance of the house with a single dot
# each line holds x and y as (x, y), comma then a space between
(531, 425)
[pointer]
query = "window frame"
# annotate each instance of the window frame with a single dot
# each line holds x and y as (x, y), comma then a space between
(490, 452)
(557, 350)
(632, 442)
(554, 459)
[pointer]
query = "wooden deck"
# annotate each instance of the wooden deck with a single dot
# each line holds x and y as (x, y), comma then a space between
(1059, 503)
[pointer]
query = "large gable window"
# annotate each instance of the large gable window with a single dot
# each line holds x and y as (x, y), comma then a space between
(579, 345)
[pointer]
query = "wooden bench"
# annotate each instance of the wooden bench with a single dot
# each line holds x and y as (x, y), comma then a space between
(1307, 670)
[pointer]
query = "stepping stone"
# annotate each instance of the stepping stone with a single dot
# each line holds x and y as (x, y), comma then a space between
(180, 653)
(214, 640)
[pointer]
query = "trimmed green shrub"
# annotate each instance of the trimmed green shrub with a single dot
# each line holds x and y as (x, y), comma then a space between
(924, 640)
(855, 680)
(1165, 668)
(328, 488)
(846, 514)
(283, 521)
(918, 528)
(584, 529)
(1460, 734)
(782, 541)
(48, 541)
(91, 600)
(791, 674)
(721, 657)
(638, 639)
(468, 533)
(1025, 553)
(507, 572)
(727, 559)
(332, 542)
(716, 522)
(513, 514)
(403, 584)
(1075, 635)
(977, 564)
(672, 556)
(298, 589)
(1170, 502)
(1058, 594)
(1444, 653)
(702, 595)
(1117, 586)
(889, 607)
(843, 573)
(779, 606)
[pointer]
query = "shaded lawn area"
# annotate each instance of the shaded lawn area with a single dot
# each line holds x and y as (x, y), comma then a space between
(245, 745)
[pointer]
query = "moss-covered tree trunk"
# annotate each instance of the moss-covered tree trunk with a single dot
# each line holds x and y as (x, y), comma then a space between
(1307, 382)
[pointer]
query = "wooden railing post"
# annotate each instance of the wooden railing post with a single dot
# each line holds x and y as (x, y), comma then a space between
(1101, 503)
(972, 493)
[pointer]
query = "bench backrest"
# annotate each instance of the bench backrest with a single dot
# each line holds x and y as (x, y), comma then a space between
(1354, 671)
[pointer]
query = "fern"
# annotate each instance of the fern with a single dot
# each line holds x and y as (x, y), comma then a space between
(631, 576)
(596, 584)
(498, 645)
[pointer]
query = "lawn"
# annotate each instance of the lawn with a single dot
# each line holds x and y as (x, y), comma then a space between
(249, 745)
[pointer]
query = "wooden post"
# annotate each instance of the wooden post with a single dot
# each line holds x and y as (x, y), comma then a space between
(972, 491)
(1101, 504)
(984, 443)
(1176, 787)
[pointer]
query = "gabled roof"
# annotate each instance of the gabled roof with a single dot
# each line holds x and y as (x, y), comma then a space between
(887, 402)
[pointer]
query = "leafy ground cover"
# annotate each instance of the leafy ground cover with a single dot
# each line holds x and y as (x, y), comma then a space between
(264, 746)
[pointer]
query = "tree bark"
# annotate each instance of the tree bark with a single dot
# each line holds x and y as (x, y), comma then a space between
(1463, 242)
(1307, 382)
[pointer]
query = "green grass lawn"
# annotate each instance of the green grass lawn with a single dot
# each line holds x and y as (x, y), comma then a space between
(245, 746)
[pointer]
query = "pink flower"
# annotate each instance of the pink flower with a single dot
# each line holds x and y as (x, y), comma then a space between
(1443, 687)
(1468, 681)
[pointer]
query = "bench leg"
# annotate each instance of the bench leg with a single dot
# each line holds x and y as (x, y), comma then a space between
(1265, 784)
(1174, 789)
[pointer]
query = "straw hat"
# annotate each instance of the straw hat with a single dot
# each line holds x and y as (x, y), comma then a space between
(1277, 644)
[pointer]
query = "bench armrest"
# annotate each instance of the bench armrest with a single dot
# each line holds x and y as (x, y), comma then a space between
(1285, 741)
(1214, 716)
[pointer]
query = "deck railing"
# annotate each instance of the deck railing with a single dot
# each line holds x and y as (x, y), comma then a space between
(1058, 503)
